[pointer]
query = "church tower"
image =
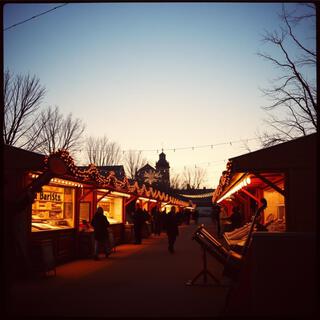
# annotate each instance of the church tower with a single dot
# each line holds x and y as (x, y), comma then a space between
(162, 167)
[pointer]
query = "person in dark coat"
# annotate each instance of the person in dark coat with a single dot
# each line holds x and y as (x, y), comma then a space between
(156, 219)
(100, 225)
(216, 218)
(236, 218)
(139, 219)
(172, 228)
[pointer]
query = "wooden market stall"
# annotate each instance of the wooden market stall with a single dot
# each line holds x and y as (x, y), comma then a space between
(49, 201)
(278, 274)
(284, 174)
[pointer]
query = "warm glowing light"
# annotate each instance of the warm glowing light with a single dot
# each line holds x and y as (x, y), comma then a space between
(236, 188)
(70, 183)
(116, 193)
(144, 199)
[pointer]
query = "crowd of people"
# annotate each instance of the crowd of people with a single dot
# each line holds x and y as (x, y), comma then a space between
(158, 220)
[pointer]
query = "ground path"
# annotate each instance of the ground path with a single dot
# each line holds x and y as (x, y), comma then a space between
(137, 281)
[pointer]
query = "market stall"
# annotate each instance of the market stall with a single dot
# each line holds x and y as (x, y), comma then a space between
(283, 174)
(283, 253)
(54, 203)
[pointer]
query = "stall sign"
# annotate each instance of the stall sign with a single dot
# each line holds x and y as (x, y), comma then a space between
(49, 196)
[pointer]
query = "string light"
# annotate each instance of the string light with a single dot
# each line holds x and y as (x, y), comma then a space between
(92, 175)
(174, 149)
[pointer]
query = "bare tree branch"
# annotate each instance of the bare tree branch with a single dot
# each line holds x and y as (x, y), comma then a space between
(22, 98)
(133, 162)
(193, 177)
(175, 181)
(293, 109)
(52, 132)
(102, 151)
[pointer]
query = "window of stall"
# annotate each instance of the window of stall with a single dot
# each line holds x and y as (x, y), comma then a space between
(112, 208)
(53, 208)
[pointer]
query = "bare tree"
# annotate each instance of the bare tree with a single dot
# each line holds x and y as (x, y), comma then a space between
(56, 132)
(194, 177)
(22, 98)
(175, 181)
(293, 95)
(102, 151)
(133, 162)
(246, 145)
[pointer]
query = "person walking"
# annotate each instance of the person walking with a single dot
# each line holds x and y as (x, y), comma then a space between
(172, 228)
(138, 223)
(100, 225)
(156, 219)
(216, 209)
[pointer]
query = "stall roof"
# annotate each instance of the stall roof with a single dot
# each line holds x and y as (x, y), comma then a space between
(269, 163)
(292, 154)
(28, 161)
(16, 158)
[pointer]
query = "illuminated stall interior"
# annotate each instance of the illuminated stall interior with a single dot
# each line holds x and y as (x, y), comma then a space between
(112, 203)
(280, 262)
(54, 207)
(245, 190)
(284, 175)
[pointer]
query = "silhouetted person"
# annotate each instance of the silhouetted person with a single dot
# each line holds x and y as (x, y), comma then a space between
(163, 216)
(236, 218)
(216, 218)
(156, 219)
(259, 219)
(100, 225)
(139, 219)
(172, 228)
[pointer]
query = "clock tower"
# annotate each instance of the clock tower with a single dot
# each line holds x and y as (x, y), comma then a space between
(162, 167)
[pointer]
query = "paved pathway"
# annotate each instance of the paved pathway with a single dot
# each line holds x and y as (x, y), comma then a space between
(136, 281)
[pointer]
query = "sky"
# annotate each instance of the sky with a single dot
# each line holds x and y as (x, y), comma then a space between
(153, 76)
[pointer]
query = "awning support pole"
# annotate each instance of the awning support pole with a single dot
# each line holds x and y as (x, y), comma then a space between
(269, 183)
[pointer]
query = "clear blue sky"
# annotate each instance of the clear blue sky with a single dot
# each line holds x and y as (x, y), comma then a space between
(152, 75)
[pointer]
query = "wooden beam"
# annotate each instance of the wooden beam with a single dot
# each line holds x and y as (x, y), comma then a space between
(250, 195)
(241, 197)
(132, 198)
(269, 183)
(84, 195)
(105, 194)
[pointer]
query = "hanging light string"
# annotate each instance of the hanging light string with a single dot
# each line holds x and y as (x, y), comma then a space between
(194, 147)
(182, 148)
(36, 16)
